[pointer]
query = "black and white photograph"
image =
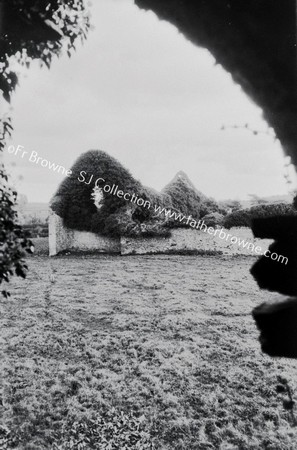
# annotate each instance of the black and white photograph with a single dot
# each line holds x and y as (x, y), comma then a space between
(148, 225)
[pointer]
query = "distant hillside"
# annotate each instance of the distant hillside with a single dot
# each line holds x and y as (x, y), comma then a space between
(272, 199)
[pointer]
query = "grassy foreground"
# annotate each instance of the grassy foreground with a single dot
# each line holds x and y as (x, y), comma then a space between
(150, 352)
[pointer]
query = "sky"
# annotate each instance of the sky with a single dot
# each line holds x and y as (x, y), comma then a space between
(140, 91)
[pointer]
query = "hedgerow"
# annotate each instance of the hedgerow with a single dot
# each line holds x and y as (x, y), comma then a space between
(243, 217)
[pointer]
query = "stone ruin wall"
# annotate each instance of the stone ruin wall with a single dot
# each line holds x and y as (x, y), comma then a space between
(62, 239)
(181, 240)
(190, 240)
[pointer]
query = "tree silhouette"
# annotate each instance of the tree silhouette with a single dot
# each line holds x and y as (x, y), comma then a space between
(29, 29)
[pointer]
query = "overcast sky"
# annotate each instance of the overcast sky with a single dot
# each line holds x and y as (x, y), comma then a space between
(140, 91)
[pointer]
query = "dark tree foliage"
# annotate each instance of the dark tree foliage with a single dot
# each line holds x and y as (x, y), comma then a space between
(187, 199)
(29, 29)
(210, 206)
(213, 219)
(36, 29)
(116, 216)
(14, 242)
(243, 217)
(239, 218)
(184, 196)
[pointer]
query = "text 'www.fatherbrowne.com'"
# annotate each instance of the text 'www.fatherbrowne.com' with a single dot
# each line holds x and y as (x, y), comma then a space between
(220, 232)
(85, 178)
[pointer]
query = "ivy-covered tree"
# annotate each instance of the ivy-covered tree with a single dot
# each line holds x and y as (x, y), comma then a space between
(29, 29)
(75, 200)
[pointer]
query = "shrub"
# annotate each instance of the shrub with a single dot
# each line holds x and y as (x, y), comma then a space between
(213, 219)
(14, 241)
(121, 223)
(240, 218)
(275, 209)
(210, 206)
(243, 217)
(36, 230)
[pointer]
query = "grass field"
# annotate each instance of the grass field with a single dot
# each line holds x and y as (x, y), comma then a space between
(150, 352)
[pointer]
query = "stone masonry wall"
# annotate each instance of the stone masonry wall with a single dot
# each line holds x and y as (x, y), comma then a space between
(186, 239)
(63, 239)
(181, 240)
